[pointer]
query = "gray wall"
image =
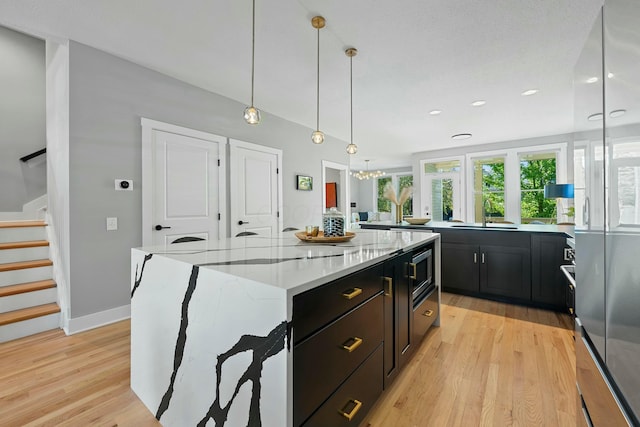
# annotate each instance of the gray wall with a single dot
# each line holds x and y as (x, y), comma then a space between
(108, 96)
(22, 119)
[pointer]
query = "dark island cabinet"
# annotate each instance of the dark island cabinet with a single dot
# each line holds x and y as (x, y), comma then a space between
(398, 316)
(351, 339)
(548, 285)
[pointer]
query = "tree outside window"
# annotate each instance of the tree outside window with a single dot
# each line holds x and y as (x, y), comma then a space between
(489, 189)
(536, 170)
(401, 181)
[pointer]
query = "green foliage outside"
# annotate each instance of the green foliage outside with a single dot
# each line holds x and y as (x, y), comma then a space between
(534, 174)
(385, 205)
(493, 188)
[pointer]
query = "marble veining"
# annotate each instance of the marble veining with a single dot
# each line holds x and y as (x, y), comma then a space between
(138, 279)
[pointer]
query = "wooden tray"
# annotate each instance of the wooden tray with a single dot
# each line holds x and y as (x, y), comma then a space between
(321, 239)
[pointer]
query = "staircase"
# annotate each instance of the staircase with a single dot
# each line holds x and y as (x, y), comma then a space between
(28, 295)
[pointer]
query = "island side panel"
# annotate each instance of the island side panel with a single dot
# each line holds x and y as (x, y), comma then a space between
(206, 346)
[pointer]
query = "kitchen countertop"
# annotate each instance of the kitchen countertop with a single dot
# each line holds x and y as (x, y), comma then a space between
(283, 261)
(567, 230)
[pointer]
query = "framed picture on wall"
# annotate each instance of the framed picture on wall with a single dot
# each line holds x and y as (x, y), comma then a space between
(304, 183)
(331, 192)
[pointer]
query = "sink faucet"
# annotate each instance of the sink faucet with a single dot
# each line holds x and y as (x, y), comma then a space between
(484, 211)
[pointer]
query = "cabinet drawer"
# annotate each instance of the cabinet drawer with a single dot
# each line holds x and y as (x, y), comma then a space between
(322, 363)
(424, 315)
(356, 396)
(315, 308)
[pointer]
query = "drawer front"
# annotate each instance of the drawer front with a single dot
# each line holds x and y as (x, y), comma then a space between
(424, 315)
(322, 363)
(355, 397)
(314, 309)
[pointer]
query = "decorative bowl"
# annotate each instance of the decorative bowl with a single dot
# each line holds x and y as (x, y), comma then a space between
(320, 238)
(417, 221)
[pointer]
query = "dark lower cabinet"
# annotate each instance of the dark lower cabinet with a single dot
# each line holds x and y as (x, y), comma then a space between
(460, 267)
(351, 402)
(351, 339)
(487, 263)
(505, 271)
(398, 313)
(548, 284)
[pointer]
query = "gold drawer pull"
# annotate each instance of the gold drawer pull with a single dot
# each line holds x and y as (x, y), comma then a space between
(352, 343)
(356, 407)
(413, 276)
(389, 281)
(351, 293)
(428, 313)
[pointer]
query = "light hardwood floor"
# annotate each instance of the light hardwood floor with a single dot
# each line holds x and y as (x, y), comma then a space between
(489, 364)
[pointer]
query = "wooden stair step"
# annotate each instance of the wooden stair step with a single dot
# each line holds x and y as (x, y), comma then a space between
(23, 245)
(22, 288)
(28, 313)
(25, 264)
(16, 224)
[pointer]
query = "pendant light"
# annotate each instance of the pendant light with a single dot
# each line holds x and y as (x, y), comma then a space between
(351, 52)
(318, 136)
(251, 113)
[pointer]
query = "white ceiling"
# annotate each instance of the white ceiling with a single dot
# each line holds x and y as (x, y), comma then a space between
(414, 56)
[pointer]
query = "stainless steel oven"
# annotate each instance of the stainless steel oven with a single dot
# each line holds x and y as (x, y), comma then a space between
(421, 274)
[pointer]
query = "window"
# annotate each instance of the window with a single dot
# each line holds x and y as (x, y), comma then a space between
(441, 195)
(398, 182)
(580, 182)
(536, 170)
(488, 189)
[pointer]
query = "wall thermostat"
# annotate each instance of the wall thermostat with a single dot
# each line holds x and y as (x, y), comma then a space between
(124, 184)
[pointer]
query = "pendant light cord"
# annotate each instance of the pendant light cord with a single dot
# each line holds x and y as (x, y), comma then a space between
(318, 84)
(351, 93)
(253, 46)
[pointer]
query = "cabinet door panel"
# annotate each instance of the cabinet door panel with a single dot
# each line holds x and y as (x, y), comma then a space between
(460, 267)
(548, 284)
(505, 271)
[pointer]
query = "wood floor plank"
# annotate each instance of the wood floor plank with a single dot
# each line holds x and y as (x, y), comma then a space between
(489, 364)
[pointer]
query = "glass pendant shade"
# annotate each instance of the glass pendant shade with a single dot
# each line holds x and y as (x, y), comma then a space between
(317, 137)
(352, 148)
(252, 115)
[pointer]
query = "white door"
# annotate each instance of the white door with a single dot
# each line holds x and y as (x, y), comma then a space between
(256, 186)
(442, 197)
(186, 186)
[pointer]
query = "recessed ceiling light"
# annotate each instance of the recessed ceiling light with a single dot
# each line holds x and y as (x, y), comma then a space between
(610, 75)
(592, 79)
(461, 136)
(617, 113)
(529, 92)
(595, 117)
(478, 103)
(435, 112)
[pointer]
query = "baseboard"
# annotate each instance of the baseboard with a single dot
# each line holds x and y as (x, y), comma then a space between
(95, 320)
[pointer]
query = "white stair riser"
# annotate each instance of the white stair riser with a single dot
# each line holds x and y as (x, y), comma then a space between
(24, 254)
(21, 234)
(25, 328)
(15, 277)
(28, 299)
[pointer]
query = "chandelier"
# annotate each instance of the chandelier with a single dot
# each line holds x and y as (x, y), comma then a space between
(367, 174)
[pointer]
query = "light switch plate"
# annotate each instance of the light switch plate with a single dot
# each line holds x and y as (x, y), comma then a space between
(112, 223)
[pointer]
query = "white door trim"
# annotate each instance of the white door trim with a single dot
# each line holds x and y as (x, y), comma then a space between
(234, 144)
(148, 126)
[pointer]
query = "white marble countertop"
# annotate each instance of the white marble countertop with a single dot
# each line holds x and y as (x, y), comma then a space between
(285, 262)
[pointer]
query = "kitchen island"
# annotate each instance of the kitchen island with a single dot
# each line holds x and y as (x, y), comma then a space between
(214, 324)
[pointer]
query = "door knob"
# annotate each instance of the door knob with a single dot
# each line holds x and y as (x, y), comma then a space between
(242, 222)
(159, 227)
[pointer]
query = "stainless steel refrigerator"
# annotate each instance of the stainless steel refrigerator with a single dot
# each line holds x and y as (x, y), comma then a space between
(607, 182)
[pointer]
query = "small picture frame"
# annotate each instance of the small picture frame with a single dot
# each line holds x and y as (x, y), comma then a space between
(304, 183)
